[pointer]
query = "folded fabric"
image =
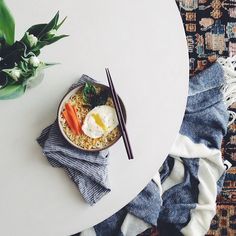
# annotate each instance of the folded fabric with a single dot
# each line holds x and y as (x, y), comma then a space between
(191, 176)
(134, 218)
(87, 170)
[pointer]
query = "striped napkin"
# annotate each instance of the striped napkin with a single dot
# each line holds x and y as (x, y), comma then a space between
(87, 170)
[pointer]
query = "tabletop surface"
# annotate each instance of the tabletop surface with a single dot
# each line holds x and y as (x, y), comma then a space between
(143, 43)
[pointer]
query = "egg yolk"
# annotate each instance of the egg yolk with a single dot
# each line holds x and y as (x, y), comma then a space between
(99, 121)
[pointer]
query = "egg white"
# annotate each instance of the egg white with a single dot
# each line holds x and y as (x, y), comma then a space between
(100, 121)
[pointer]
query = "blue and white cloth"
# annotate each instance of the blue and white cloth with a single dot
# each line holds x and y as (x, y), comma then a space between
(88, 170)
(181, 198)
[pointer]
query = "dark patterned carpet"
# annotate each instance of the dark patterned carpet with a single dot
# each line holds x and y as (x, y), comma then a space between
(224, 222)
(210, 27)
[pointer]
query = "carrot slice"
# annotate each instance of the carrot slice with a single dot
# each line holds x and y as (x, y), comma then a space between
(69, 122)
(72, 116)
(78, 120)
(72, 113)
(75, 109)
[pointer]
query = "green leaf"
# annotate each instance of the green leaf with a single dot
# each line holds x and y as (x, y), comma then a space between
(89, 94)
(7, 24)
(56, 38)
(93, 98)
(36, 52)
(23, 65)
(51, 25)
(27, 74)
(3, 45)
(60, 24)
(13, 55)
(4, 80)
(42, 44)
(46, 65)
(36, 29)
(40, 30)
(12, 91)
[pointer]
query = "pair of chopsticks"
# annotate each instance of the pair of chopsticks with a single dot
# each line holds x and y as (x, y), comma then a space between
(119, 115)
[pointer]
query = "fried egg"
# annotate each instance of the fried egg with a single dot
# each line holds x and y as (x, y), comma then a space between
(100, 121)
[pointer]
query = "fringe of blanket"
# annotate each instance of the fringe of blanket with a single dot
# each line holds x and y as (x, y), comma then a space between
(229, 88)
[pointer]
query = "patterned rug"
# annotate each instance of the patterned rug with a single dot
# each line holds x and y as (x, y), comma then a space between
(224, 222)
(210, 27)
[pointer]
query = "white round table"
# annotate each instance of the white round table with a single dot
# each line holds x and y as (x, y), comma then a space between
(143, 44)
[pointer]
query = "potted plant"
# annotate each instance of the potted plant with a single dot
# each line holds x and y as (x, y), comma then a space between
(20, 66)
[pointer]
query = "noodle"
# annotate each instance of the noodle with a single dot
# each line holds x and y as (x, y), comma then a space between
(83, 141)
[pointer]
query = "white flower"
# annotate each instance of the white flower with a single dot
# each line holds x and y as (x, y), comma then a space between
(52, 32)
(34, 61)
(31, 39)
(14, 73)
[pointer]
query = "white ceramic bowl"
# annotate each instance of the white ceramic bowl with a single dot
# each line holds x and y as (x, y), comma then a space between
(65, 99)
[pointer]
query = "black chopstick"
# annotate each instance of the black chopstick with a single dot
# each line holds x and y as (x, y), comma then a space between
(119, 115)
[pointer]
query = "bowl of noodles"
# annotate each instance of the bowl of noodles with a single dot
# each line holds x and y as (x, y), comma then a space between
(87, 118)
